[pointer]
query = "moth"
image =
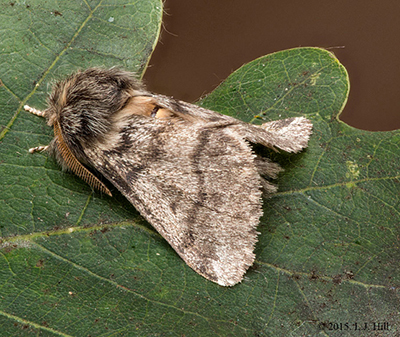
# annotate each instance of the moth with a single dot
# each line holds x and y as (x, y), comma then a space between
(189, 171)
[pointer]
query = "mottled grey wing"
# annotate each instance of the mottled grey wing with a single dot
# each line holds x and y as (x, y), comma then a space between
(196, 184)
(290, 134)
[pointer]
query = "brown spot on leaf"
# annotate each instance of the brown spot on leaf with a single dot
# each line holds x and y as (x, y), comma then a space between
(296, 276)
(337, 279)
(313, 275)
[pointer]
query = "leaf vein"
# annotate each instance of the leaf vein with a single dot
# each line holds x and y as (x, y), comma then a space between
(35, 325)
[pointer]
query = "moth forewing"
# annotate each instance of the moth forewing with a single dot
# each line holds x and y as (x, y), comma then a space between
(189, 171)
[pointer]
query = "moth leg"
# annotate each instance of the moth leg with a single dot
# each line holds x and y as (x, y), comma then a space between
(41, 114)
(34, 111)
(38, 149)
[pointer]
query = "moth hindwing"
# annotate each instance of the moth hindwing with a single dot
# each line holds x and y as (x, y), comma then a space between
(189, 171)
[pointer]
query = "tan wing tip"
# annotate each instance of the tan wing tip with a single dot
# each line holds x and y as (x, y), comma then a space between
(226, 275)
(231, 280)
(230, 274)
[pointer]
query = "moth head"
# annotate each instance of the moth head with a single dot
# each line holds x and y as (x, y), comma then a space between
(83, 104)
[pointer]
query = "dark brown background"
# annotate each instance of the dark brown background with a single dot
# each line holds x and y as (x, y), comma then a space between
(203, 41)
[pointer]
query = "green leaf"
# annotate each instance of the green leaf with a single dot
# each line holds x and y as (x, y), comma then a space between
(76, 263)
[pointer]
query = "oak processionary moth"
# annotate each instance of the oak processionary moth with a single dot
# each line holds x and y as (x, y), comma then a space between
(189, 171)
